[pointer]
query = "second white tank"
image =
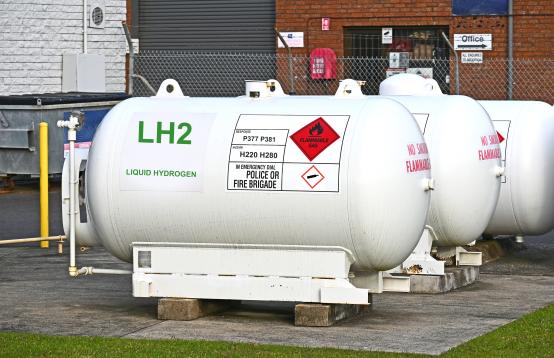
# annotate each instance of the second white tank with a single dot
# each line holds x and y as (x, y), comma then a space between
(465, 158)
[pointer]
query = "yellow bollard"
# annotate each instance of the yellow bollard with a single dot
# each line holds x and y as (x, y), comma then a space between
(43, 134)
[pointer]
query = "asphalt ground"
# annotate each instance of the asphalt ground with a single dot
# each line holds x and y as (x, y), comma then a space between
(37, 295)
(20, 211)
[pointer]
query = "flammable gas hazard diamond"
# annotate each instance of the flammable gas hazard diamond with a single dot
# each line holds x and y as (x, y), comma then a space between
(314, 138)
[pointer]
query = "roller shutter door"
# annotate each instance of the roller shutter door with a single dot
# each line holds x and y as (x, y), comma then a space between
(187, 26)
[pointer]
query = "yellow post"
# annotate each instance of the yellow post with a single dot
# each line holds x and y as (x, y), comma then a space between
(43, 133)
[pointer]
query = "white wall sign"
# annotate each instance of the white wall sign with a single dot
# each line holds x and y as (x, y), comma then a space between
(325, 23)
(480, 42)
(472, 57)
(293, 39)
(399, 59)
(386, 35)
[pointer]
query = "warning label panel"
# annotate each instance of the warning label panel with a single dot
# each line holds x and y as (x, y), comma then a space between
(286, 153)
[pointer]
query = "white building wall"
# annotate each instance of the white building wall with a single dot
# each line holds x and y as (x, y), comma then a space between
(34, 35)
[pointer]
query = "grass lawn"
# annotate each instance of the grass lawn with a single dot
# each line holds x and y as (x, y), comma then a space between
(530, 336)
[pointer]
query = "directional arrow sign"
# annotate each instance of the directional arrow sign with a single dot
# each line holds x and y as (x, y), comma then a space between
(482, 46)
(473, 41)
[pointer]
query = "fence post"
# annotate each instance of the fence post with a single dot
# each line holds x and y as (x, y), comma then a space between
(510, 49)
(131, 58)
(291, 73)
(456, 64)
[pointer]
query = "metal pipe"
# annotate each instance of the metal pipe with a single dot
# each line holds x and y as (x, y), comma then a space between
(291, 74)
(72, 221)
(432, 231)
(75, 120)
(85, 34)
(43, 154)
(130, 74)
(93, 270)
(146, 83)
(32, 239)
(510, 48)
(456, 64)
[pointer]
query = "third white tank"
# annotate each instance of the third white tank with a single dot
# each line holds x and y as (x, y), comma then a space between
(526, 203)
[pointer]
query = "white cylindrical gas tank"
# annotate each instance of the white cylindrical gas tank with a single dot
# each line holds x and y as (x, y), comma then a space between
(526, 203)
(409, 84)
(280, 171)
(465, 159)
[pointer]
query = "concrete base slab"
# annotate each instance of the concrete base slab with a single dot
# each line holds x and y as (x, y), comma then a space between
(453, 278)
(188, 309)
(324, 315)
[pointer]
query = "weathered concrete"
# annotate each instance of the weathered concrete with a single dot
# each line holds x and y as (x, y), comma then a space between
(324, 315)
(188, 309)
(36, 295)
(453, 278)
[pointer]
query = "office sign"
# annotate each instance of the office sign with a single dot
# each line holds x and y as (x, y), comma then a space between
(478, 42)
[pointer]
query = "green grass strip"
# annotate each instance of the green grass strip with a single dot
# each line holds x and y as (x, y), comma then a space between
(37, 345)
(530, 336)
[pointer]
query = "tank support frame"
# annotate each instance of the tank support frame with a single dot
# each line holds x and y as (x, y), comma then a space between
(422, 262)
(294, 273)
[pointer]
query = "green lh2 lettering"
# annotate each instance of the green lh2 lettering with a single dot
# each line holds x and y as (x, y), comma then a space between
(141, 138)
(184, 129)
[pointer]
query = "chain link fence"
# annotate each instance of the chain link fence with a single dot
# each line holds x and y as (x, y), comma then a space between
(223, 74)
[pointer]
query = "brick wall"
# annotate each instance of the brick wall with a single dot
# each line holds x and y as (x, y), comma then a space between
(533, 35)
(534, 29)
(34, 34)
(533, 22)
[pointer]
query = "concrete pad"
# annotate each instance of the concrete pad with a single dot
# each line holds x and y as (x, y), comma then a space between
(188, 309)
(324, 315)
(37, 295)
(453, 278)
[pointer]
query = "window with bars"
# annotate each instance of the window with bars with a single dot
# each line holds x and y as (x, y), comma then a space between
(420, 49)
(420, 42)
